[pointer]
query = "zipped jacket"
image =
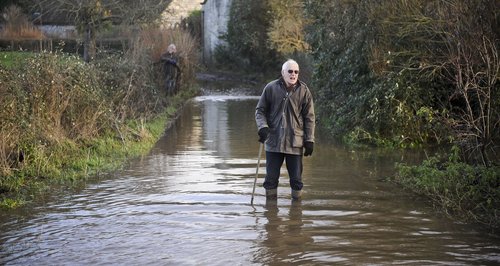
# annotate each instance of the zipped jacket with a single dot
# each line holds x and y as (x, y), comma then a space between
(289, 116)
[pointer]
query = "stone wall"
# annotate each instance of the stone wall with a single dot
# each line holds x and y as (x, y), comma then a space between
(215, 18)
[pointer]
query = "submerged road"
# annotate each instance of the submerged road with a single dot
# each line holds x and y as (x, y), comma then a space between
(188, 203)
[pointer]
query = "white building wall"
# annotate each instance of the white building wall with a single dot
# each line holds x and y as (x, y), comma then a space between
(215, 18)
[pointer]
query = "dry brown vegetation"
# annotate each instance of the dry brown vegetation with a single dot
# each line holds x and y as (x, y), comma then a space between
(56, 109)
(18, 26)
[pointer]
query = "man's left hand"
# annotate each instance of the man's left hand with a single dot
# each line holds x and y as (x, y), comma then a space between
(309, 146)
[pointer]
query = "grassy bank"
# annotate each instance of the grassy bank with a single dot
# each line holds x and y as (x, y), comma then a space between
(68, 161)
(463, 191)
(9, 59)
(63, 120)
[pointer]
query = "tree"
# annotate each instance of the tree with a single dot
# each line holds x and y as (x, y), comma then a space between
(287, 27)
(91, 16)
(448, 44)
(247, 38)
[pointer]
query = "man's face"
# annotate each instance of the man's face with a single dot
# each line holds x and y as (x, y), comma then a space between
(290, 73)
(171, 49)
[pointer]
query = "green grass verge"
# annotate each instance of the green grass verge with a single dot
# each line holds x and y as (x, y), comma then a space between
(69, 163)
(10, 59)
(462, 191)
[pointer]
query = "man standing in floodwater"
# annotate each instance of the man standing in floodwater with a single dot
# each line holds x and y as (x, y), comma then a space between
(286, 123)
(170, 69)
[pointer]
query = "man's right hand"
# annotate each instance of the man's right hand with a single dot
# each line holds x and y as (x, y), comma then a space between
(263, 134)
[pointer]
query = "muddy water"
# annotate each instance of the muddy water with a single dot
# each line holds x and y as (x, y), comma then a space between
(188, 203)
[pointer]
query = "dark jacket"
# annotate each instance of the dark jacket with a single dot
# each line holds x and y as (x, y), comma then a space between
(170, 66)
(289, 116)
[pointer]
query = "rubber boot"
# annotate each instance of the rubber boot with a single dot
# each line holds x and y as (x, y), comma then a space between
(272, 193)
(296, 194)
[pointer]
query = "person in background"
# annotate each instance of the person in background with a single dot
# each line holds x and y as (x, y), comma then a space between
(286, 122)
(170, 69)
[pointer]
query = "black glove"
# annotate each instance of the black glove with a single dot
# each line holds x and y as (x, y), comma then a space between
(263, 134)
(309, 148)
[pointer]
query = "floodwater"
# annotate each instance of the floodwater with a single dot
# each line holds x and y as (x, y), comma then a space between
(188, 203)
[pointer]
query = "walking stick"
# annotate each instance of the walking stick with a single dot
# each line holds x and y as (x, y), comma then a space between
(261, 146)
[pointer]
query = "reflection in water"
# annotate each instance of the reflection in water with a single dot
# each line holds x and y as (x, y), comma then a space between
(188, 203)
(284, 239)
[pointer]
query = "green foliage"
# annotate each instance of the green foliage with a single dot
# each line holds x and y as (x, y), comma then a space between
(192, 24)
(9, 59)
(400, 110)
(54, 96)
(456, 81)
(411, 73)
(340, 38)
(247, 39)
(471, 193)
(261, 35)
(63, 119)
(392, 70)
(10, 203)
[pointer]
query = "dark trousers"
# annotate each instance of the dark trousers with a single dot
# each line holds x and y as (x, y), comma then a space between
(274, 161)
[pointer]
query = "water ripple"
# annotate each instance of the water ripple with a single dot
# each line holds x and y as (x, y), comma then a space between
(188, 203)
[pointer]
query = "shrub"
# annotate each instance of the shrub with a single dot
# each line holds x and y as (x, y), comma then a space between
(452, 55)
(50, 98)
(471, 193)
(340, 38)
(18, 26)
(192, 24)
(54, 107)
(410, 72)
(247, 38)
(286, 32)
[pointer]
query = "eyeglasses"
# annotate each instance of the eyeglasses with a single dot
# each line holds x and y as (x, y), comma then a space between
(293, 71)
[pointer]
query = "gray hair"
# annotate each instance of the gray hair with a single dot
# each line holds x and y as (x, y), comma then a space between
(171, 48)
(288, 62)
